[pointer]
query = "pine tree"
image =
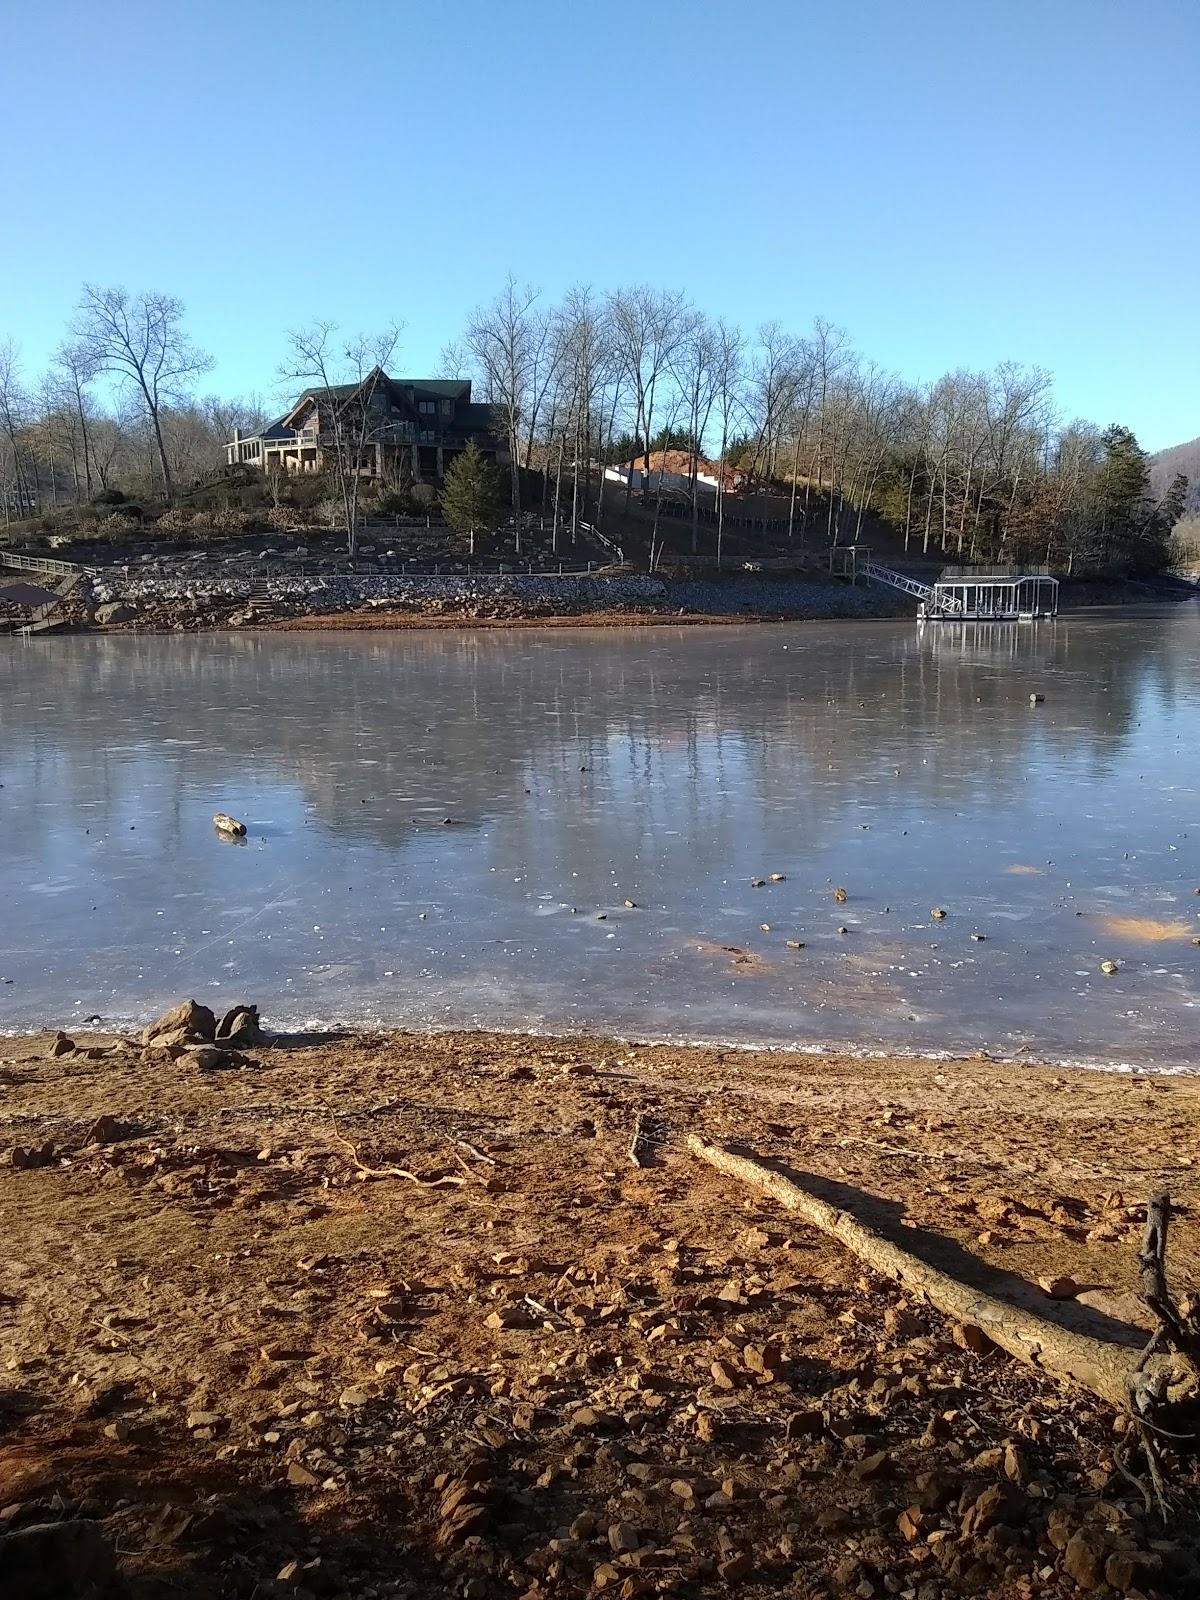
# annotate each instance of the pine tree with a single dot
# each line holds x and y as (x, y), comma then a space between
(473, 492)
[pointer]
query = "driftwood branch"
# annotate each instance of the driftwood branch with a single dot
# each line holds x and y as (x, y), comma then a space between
(1153, 1262)
(637, 1142)
(394, 1172)
(1108, 1370)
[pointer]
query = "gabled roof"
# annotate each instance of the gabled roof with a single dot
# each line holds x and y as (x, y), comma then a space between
(443, 388)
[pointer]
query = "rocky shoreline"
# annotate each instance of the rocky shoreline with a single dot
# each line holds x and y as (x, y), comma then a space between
(397, 1315)
(182, 600)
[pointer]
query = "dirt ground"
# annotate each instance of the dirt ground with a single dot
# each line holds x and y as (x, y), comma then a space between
(542, 1370)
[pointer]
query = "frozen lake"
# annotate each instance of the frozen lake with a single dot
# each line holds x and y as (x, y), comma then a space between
(584, 769)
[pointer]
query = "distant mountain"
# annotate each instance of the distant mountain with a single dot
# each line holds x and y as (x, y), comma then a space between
(1183, 458)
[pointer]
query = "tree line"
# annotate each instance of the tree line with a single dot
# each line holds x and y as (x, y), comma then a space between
(973, 466)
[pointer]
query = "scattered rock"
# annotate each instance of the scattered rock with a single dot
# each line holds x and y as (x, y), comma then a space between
(224, 823)
(1084, 1559)
(1109, 967)
(623, 1536)
(61, 1045)
(735, 1567)
(239, 1025)
(938, 913)
(188, 1018)
(27, 1158)
(911, 1522)
(211, 1058)
(110, 1130)
(1059, 1288)
(514, 1316)
(840, 895)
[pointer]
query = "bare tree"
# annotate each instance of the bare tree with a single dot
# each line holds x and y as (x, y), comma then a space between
(695, 370)
(140, 339)
(348, 382)
(510, 344)
(76, 372)
(728, 357)
(14, 418)
(647, 326)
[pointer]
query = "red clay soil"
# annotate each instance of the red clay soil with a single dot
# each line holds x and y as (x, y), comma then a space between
(397, 1315)
(377, 618)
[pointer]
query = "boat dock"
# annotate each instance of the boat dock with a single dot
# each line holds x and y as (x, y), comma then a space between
(959, 594)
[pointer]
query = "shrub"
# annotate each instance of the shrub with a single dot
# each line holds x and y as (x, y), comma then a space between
(110, 497)
(228, 519)
(116, 526)
(282, 518)
(396, 502)
(174, 520)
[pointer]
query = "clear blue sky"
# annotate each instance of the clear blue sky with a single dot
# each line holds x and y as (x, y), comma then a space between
(955, 182)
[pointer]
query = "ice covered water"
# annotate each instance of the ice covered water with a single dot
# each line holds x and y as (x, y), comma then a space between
(444, 828)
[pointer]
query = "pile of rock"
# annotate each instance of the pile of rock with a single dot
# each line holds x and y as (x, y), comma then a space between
(192, 1030)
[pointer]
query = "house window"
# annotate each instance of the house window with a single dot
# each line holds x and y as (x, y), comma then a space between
(427, 408)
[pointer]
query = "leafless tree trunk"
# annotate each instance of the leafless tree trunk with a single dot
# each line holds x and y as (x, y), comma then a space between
(141, 340)
(349, 392)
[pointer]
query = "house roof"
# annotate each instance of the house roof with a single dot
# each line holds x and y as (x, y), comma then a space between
(443, 388)
(480, 416)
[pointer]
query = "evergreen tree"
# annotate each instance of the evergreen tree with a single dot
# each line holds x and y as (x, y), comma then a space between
(473, 493)
(1123, 481)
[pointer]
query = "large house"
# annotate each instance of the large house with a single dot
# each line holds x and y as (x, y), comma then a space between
(414, 428)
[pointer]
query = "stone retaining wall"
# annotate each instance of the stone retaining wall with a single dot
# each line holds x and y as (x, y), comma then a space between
(542, 593)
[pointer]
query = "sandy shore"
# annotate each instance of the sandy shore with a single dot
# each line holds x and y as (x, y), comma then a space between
(384, 1315)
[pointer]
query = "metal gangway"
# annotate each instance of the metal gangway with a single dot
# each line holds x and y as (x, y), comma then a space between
(933, 601)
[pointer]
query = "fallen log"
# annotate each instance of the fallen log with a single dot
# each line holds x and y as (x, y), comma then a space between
(1121, 1376)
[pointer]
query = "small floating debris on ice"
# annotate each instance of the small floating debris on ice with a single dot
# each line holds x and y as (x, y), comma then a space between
(1110, 967)
(1036, 699)
(840, 895)
(757, 883)
(794, 944)
(631, 905)
(979, 937)
(224, 823)
(764, 927)
(937, 913)
(778, 877)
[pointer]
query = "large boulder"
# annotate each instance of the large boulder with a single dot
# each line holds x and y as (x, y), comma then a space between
(115, 611)
(187, 1020)
(239, 1025)
(50, 1560)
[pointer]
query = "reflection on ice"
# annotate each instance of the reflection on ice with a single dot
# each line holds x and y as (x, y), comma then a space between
(668, 768)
